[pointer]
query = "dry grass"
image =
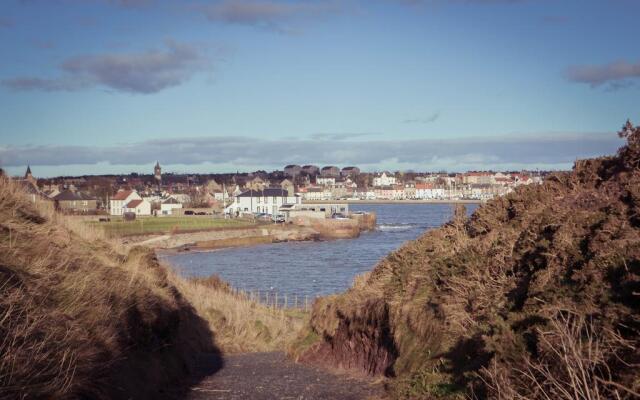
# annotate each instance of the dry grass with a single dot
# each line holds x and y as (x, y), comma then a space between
(572, 365)
(479, 307)
(80, 320)
(240, 324)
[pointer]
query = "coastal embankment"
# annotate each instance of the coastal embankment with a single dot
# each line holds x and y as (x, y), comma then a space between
(300, 229)
(390, 201)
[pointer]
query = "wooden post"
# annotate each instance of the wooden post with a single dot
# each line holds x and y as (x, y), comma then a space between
(275, 305)
(306, 303)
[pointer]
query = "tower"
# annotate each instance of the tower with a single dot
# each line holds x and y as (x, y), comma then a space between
(157, 172)
(28, 176)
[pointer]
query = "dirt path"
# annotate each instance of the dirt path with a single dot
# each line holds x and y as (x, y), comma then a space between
(262, 376)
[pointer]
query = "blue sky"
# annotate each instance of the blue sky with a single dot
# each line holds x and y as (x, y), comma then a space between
(103, 86)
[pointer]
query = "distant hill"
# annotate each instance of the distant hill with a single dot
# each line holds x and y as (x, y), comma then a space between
(535, 296)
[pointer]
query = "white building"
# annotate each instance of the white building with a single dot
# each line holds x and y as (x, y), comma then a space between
(167, 206)
(325, 181)
(266, 201)
(138, 207)
(118, 202)
(384, 180)
(317, 194)
(428, 192)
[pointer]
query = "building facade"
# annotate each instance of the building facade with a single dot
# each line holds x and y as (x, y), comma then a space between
(119, 201)
(267, 201)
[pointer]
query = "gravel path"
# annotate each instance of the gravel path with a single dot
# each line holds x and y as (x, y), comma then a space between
(262, 376)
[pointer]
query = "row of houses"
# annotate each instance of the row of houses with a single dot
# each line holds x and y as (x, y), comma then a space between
(130, 201)
(293, 170)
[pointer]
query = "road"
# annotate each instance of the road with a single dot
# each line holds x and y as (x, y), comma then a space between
(266, 376)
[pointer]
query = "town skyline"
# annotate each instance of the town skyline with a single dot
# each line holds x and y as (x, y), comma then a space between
(108, 86)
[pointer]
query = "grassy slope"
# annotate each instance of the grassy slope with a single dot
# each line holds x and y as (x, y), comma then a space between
(80, 319)
(149, 225)
(537, 295)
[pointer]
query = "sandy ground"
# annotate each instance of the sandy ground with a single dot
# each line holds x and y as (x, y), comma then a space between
(266, 376)
(179, 240)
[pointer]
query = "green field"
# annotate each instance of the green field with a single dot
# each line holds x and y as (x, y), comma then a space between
(150, 225)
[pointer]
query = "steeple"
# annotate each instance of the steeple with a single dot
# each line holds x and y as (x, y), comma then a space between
(157, 173)
(28, 174)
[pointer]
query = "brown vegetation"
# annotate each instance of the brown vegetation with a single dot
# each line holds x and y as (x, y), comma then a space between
(80, 318)
(536, 296)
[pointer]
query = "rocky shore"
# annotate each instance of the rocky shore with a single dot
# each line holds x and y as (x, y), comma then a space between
(299, 229)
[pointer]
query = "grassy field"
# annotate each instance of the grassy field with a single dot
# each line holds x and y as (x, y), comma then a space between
(149, 225)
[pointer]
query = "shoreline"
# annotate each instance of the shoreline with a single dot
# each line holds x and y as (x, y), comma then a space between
(381, 201)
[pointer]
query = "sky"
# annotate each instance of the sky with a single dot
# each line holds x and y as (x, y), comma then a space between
(206, 86)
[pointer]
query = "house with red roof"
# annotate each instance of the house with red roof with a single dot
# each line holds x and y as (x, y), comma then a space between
(119, 201)
(138, 207)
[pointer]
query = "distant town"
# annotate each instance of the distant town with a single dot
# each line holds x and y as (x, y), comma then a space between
(263, 192)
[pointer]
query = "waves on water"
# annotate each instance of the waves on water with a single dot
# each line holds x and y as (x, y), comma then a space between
(395, 227)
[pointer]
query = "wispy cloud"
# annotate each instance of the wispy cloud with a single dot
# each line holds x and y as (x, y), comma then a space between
(341, 136)
(615, 75)
(432, 118)
(267, 14)
(143, 72)
(527, 150)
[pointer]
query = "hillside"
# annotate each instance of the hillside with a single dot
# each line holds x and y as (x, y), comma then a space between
(80, 320)
(535, 296)
(81, 317)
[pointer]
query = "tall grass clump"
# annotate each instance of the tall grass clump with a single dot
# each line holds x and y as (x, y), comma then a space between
(535, 296)
(79, 319)
(241, 323)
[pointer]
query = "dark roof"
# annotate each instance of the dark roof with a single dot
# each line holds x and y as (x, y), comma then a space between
(122, 195)
(67, 195)
(329, 167)
(265, 193)
(349, 168)
(309, 166)
(291, 166)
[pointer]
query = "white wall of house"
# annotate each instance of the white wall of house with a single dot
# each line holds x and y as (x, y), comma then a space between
(116, 207)
(167, 209)
(143, 208)
(384, 180)
(318, 195)
(325, 181)
(260, 204)
(431, 193)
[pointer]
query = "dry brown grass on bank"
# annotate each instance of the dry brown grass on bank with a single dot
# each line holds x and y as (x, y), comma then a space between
(535, 296)
(241, 324)
(80, 320)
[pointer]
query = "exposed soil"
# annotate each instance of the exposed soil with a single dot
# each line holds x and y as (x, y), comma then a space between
(261, 376)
